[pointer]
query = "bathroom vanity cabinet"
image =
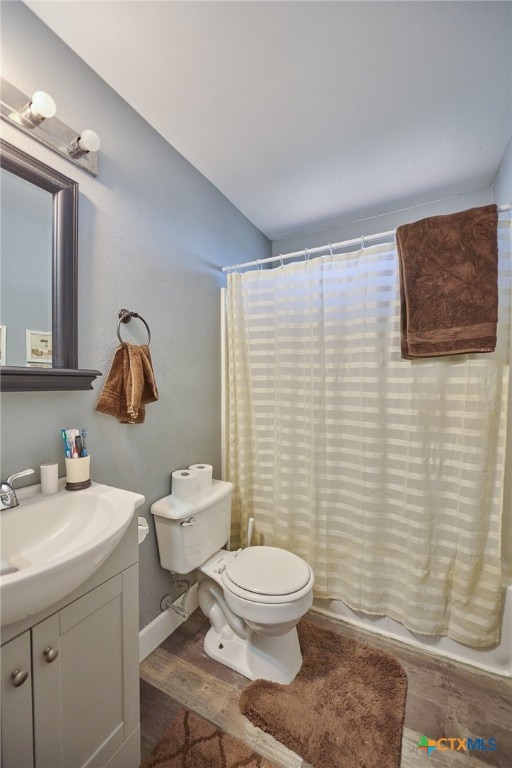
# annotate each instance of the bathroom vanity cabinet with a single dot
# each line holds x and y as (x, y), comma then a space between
(70, 689)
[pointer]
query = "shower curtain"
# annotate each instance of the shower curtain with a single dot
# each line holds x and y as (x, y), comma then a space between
(386, 475)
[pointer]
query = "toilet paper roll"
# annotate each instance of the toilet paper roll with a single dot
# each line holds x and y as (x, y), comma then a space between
(143, 528)
(184, 483)
(204, 475)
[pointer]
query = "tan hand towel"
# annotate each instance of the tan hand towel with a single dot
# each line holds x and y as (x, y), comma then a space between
(449, 283)
(129, 386)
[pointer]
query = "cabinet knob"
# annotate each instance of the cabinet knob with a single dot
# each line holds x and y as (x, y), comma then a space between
(50, 654)
(18, 677)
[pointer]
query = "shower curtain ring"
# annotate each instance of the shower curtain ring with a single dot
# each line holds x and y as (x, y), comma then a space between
(362, 242)
(306, 254)
(330, 250)
(281, 259)
(258, 264)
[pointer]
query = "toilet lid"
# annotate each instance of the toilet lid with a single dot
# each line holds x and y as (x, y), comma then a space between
(268, 571)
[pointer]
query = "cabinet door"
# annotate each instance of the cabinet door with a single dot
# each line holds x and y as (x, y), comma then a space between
(17, 742)
(79, 699)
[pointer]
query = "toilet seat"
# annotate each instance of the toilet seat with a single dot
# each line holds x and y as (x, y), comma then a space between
(267, 575)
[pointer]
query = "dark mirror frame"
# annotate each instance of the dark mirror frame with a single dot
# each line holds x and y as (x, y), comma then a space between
(64, 374)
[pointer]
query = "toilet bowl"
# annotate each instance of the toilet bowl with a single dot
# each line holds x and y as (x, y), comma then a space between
(253, 615)
(268, 587)
(254, 597)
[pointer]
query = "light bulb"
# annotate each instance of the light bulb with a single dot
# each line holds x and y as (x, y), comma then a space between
(42, 105)
(88, 141)
(39, 108)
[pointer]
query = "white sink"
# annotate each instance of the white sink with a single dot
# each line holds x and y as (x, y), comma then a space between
(56, 542)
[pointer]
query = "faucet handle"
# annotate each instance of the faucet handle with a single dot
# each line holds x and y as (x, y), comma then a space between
(8, 498)
(11, 479)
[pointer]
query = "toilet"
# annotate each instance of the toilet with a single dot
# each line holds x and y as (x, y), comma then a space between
(254, 597)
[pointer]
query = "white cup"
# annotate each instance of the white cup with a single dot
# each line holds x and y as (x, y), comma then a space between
(49, 478)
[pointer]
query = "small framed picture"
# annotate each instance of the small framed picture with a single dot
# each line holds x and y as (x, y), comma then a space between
(39, 347)
(3, 344)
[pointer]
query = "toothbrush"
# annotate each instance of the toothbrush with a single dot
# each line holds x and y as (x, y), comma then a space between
(67, 452)
(84, 448)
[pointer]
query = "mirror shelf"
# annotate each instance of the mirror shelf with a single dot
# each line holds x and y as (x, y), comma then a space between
(45, 380)
(64, 373)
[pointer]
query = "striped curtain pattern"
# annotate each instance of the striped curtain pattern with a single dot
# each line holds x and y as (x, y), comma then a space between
(386, 475)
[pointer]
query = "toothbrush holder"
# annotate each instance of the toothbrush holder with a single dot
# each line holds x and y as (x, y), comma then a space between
(78, 473)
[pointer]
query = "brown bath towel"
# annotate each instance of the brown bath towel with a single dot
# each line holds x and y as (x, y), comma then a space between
(449, 283)
(129, 386)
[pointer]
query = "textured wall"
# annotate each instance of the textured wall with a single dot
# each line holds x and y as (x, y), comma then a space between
(153, 233)
(386, 220)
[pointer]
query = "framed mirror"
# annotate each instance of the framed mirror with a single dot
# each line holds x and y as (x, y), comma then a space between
(38, 323)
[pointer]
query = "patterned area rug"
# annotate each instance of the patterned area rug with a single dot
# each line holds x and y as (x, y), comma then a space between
(345, 708)
(191, 742)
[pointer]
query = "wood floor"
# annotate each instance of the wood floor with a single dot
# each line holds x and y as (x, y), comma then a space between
(444, 699)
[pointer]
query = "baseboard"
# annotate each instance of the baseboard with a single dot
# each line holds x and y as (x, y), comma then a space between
(167, 622)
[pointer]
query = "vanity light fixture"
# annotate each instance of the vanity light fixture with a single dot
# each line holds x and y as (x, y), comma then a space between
(31, 115)
(39, 108)
(88, 141)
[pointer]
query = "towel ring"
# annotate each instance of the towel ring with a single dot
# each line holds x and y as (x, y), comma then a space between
(125, 316)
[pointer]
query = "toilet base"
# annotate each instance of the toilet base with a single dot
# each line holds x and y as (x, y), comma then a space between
(257, 656)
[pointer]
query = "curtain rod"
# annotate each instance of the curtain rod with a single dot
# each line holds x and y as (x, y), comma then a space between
(329, 247)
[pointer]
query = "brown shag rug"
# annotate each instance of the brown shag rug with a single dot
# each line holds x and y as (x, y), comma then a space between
(345, 708)
(191, 742)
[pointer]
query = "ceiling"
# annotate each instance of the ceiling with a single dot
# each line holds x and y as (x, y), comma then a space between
(309, 113)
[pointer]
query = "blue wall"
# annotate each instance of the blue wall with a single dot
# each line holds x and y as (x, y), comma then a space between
(153, 234)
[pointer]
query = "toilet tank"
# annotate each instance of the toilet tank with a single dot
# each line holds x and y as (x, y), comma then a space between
(191, 530)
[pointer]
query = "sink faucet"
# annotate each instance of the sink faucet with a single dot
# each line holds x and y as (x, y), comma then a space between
(7, 493)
